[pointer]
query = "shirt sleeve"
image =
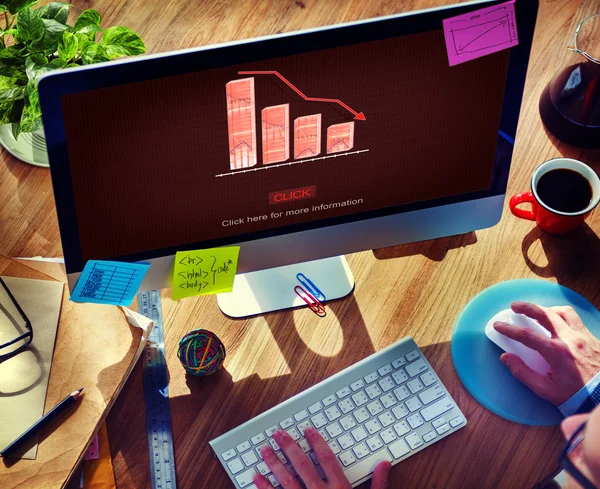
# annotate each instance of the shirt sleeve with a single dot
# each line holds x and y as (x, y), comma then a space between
(584, 400)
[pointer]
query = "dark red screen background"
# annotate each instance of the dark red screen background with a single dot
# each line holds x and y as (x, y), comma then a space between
(153, 148)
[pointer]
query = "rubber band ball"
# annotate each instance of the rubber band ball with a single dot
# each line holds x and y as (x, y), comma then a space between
(201, 352)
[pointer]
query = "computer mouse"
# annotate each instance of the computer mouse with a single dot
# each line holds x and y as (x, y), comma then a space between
(530, 357)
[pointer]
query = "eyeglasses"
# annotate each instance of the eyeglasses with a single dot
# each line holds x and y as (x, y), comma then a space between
(10, 308)
(568, 465)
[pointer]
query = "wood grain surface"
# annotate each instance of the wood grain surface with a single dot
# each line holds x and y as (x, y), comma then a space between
(417, 289)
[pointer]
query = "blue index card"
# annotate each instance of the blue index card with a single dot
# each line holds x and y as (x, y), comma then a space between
(109, 282)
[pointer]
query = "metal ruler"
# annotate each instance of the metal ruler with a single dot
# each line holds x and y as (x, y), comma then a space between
(156, 396)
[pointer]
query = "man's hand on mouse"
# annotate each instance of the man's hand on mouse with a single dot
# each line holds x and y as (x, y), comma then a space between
(572, 352)
(305, 468)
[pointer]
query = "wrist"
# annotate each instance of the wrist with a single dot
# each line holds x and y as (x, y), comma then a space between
(586, 397)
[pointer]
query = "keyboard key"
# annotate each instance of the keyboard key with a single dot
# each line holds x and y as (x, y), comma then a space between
(304, 445)
(413, 404)
(416, 368)
(228, 455)
(319, 420)
(438, 422)
(388, 436)
(242, 447)
(245, 478)
(359, 434)
(399, 362)
(286, 423)
(400, 376)
(427, 437)
(335, 448)
(373, 391)
(400, 411)
(431, 394)
(428, 378)
(324, 435)
(415, 386)
(372, 377)
(373, 426)
(334, 429)
(345, 441)
(263, 468)
(347, 422)
(360, 398)
(274, 444)
(274, 481)
(374, 443)
(359, 384)
(343, 392)
(293, 432)
(329, 400)
(399, 449)
(301, 415)
(366, 466)
(361, 451)
(235, 466)
(401, 428)
(281, 458)
(333, 413)
(346, 406)
(361, 415)
(443, 429)
(386, 419)
(412, 355)
(387, 400)
(386, 369)
(375, 408)
(313, 457)
(401, 393)
(414, 441)
(437, 408)
(386, 384)
(271, 431)
(456, 421)
(316, 407)
(259, 449)
(346, 458)
(302, 426)
(415, 421)
(249, 459)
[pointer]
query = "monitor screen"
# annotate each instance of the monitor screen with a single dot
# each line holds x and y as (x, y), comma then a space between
(291, 142)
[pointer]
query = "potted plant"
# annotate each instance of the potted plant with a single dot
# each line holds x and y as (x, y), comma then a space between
(40, 40)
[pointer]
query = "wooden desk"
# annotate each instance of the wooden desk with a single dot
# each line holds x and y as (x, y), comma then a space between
(417, 289)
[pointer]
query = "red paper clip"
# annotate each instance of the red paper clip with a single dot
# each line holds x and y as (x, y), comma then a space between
(311, 300)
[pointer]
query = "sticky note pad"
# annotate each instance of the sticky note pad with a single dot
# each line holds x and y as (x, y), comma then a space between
(481, 32)
(203, 272)
(109, 282)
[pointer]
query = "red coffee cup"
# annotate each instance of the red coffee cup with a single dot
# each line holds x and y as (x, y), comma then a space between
(547, 218)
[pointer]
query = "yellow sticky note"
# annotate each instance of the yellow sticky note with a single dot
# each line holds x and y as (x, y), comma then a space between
(203, 272)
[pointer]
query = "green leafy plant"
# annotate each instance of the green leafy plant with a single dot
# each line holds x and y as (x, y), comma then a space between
(36, 41)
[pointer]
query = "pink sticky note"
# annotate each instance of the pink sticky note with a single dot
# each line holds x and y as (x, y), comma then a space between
(93, 453)
(481, 32)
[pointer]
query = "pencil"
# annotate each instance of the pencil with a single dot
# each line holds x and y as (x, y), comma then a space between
(14, 447)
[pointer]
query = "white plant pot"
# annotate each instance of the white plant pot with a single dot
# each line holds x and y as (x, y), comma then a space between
(30, 147)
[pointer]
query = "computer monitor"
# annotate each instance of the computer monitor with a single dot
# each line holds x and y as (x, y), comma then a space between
(297, 147)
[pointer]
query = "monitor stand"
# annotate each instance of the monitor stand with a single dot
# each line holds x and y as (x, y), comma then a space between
(273, 289)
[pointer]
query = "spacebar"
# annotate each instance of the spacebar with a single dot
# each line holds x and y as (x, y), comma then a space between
(367, 465)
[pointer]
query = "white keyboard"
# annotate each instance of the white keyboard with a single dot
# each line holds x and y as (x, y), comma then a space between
(388, 406)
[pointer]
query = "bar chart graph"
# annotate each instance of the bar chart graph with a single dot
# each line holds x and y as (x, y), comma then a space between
(279, 139)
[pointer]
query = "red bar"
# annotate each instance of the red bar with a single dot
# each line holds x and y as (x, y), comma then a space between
(307, 136)
(275, 133)
(340, 137)
(241, 123)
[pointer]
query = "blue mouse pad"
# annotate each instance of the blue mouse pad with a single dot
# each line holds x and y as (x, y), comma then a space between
(477, 359)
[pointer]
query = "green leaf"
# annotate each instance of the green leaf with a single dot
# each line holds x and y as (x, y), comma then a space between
(87, 17)
(90, 31)
(12, 56)
(58, 11)
(67, 46)
(15, 72)
(16, 129)
(15, 6)
(11, 94)
(53, 35)
(93, 53)
(82, 40)
(30, 25)
(121, 41)
(36, 66)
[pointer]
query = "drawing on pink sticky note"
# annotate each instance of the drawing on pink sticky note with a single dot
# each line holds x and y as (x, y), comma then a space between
(93, 452)
(481, 32)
